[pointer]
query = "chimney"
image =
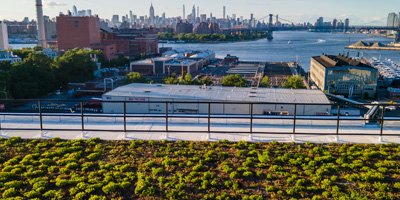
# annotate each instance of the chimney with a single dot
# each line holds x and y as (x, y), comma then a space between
(40, 24)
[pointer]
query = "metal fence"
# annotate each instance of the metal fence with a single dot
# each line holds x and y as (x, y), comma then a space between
(10, 109)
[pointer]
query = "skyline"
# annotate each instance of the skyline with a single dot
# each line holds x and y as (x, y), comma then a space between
(310, 10)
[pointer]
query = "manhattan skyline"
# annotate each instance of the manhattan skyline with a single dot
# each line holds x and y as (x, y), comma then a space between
(359, 11)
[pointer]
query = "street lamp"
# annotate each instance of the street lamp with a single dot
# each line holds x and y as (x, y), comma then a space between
(4, 93)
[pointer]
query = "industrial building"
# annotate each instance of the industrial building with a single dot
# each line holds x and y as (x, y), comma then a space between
(175, 61)
(138, 96)
(343, 75)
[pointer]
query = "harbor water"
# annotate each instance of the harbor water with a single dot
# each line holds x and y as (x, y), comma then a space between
(289, 46)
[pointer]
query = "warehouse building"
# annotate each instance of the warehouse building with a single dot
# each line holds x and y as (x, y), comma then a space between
(139, 95)
(343, 75)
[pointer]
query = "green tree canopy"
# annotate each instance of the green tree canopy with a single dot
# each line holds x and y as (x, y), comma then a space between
(74, 66)
(22, 53)
(295, 82)
(234, 80)
(28, 82)
(135, 77)
(171, 80)
(38, 48)
(38, 59)
(265, 82)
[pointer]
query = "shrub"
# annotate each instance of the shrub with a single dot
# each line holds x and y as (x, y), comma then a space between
(234, 175)
(248, 173)
(110, 188)
(9, 192)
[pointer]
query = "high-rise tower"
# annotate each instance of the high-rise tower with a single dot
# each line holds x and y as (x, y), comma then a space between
(151, 14)
(183, 17)
(74, 11)
(224, 13)
(40, 22)
(194, 14)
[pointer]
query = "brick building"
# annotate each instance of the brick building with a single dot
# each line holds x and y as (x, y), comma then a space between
(87, 32)
(184, 27)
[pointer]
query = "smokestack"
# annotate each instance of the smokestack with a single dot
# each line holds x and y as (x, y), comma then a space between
(40, 22)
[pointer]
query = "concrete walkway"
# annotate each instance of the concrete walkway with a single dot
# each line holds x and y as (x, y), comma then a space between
(277, 128)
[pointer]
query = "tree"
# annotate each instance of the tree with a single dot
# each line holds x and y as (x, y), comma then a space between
(28, 82)
(135, 77)
(265, 82)
(74, 66)
(295, 82)
(186, 79)
(22, 53)
(38, 59)
(38, 48)
(234, 80)
(171, 80)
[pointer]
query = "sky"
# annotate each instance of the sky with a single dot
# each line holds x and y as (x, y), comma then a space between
(360, 12)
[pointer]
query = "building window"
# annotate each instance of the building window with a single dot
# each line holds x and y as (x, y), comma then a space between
(76, 24)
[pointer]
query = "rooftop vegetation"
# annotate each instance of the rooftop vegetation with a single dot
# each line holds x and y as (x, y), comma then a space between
(96, 169)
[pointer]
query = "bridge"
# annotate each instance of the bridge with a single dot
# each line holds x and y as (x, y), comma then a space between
(270, 28)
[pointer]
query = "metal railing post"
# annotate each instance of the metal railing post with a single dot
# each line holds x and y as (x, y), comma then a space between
(209, 117)
(40, 115)
(294, 118)
(338, 121)
(124, 116)
(82, 117)
(383, 119)
(166, 116)
(251, 118)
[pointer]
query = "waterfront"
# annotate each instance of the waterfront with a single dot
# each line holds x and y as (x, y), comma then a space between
(303, 45)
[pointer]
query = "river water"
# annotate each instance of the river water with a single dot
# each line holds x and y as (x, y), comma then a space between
(303, 45)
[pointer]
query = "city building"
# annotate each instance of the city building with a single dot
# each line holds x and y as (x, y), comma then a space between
(131, 42)
(138, 97)
(8, 56)
(82, 32)
(3, 36)
(152, 18)
(50, 53)
(174, 61)
(184, 27)
(50, 27)
(343, 75)
(207, 28)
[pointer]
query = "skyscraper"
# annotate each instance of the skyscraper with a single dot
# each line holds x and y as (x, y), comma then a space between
(151, 14)
(131, 17)
(74, 11)
(224, 13)
(183, 17)
(198, 12)
(194, 14)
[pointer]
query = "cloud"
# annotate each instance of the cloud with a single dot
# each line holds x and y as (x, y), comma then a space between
(53, 4)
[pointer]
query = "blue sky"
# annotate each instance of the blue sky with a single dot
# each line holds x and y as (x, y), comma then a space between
(359, 11)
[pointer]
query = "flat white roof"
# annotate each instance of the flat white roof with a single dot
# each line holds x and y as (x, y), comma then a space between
(219, 93)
